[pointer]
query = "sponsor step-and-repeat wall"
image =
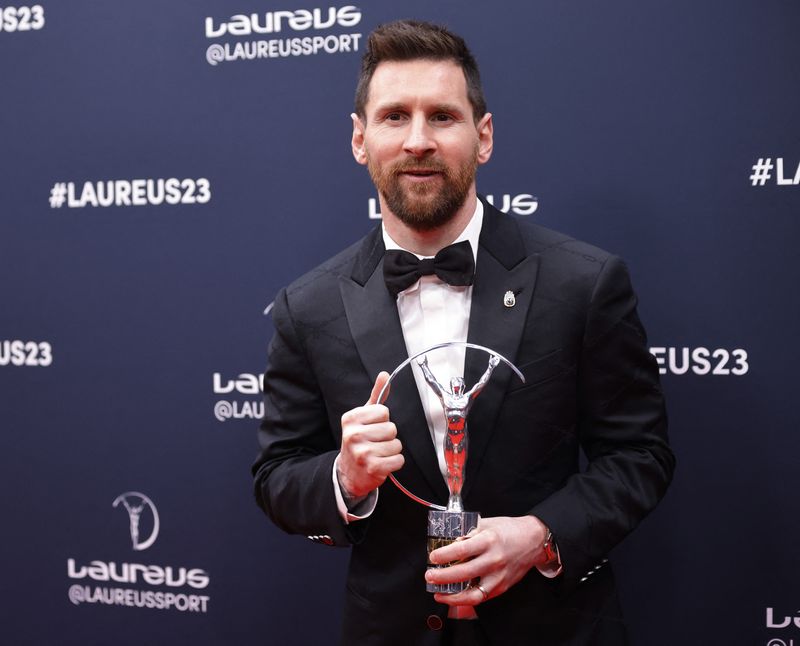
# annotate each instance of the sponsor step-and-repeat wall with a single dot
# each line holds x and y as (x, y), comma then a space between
(166, 167)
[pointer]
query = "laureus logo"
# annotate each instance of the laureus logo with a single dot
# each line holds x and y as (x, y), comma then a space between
(136, 504)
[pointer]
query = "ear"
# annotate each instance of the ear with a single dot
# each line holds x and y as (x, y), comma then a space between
(485, 129)
(357, 142)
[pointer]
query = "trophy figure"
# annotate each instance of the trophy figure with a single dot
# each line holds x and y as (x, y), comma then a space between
(445, 526)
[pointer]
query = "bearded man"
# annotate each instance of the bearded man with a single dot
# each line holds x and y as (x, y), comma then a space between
(563, 311)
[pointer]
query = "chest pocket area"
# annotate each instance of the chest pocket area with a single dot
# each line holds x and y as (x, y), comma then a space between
(538, 372)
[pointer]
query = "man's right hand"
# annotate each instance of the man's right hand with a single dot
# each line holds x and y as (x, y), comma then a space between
(370, 448)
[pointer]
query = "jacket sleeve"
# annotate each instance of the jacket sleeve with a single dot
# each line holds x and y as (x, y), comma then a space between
(622, 429)
(293, 473)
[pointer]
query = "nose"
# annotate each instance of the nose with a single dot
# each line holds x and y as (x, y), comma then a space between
(419, 139)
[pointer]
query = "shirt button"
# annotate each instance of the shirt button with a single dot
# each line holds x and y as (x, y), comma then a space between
(435, 622)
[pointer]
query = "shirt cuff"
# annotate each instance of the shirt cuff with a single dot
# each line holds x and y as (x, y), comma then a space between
(361, 509)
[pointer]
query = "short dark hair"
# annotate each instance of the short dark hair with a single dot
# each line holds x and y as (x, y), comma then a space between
(406, 40)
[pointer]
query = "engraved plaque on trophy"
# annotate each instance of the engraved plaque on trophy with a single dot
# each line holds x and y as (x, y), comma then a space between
(447, 524)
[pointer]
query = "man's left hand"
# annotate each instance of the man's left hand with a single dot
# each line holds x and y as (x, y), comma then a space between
(500, 552)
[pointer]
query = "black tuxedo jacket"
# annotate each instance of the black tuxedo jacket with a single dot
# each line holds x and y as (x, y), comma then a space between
(591, 384)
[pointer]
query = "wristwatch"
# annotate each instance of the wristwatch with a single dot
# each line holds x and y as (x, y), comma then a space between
(550, 548)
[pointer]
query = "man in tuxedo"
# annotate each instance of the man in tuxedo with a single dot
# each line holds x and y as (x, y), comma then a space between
(561, 310)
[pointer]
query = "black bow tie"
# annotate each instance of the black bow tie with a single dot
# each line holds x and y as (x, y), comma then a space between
(455, 265)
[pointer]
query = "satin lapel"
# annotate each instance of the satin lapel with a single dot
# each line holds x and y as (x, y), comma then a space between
(501, 267)
(378, 336)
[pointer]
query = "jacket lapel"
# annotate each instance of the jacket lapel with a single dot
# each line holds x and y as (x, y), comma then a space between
(502, 266)
(378, 336)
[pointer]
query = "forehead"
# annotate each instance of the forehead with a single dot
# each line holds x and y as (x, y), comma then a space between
(420, 81)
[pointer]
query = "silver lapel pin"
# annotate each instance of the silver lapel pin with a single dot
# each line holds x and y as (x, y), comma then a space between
(509, 300)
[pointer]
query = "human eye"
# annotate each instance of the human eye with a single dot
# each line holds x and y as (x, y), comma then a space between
(442, 118)
(394, 117)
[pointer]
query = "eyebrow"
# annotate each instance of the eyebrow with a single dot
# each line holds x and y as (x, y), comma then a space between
(448, 107)
(439, 107)
(389, 107)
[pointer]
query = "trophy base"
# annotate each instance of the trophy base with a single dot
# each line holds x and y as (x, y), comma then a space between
(443, 528)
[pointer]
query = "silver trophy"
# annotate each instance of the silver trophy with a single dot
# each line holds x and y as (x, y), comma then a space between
(446, 524)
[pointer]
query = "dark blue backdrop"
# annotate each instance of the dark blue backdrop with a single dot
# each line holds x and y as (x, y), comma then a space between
(141, 329)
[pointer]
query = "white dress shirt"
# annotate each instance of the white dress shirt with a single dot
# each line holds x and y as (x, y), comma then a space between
(433, 312)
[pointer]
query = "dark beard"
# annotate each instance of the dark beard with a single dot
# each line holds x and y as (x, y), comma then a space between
(424, 208)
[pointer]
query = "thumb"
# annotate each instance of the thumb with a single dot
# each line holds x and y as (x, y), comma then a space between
(380, 382)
